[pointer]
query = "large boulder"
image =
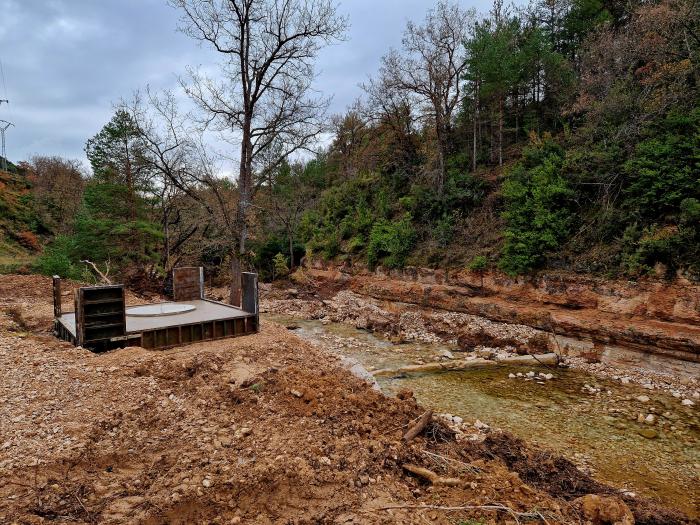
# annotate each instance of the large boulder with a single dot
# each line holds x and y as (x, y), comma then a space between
(605, 510)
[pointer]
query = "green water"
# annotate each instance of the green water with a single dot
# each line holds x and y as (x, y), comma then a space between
(598, 431)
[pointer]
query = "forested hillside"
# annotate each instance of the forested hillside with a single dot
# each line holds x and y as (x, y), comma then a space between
(562, 135)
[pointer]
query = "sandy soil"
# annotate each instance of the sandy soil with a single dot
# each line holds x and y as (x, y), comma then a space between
(260, 429)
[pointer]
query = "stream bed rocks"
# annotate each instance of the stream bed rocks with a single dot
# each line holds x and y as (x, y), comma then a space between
(458, 332)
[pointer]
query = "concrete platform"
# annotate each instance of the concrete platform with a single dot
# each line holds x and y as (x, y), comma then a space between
(204, 311)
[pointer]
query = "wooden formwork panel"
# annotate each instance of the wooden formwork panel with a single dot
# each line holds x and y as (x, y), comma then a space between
(188, 283)
(205, 331)
(100, 314)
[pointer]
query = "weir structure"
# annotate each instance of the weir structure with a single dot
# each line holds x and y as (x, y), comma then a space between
(101, 320)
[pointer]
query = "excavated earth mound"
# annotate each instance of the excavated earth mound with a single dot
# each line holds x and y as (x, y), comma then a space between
(259, 429)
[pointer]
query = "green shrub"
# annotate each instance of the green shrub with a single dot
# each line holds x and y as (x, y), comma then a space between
(664, 169)
(538, 208)
(391, 242)
(58, 258)
(279, 263)
(478, 263)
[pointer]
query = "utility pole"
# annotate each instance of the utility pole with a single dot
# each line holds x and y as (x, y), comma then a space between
(4, 125)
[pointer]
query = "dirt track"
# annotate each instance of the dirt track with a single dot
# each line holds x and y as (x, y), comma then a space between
(261, 429)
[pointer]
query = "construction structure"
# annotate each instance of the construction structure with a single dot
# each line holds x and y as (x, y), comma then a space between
(102, 321)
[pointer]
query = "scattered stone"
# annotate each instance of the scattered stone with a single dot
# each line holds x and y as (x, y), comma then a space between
(648, 433)
(650, 419)
(296, 393)
(480, 425)
(324, 460)
(687, 403)
(642, 398)
(512, 376)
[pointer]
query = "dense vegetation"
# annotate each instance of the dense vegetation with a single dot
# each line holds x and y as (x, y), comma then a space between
(564, 135)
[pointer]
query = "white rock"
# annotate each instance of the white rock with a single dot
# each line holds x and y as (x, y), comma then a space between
(457, 420)
(687, 403)
(512, 376)
(625, 380)
(206, 482)
(549, 376)
(530, 374)
(642, 399)
(650, 419)
(325, 460)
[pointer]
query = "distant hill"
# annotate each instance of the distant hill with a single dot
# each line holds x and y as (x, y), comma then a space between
(17, 220)
(12, 168)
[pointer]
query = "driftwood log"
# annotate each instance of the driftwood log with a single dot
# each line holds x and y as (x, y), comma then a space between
(432, 477)
(467, 364)
(416, 429)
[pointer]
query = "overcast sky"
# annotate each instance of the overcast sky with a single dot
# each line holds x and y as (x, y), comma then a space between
(66, 62)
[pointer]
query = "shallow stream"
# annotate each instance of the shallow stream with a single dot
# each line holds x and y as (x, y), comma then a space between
(592, 421)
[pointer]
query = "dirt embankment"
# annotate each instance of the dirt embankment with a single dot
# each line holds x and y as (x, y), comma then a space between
(260, 429)
(646, 324)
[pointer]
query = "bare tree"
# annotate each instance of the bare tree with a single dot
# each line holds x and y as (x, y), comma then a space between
(263, 97)
(427, 72)
(182, 171)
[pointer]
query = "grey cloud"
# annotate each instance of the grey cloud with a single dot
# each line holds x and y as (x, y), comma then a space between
(67, 61)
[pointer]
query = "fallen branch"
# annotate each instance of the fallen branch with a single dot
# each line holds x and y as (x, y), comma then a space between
(103, 276)
(418, 427)
(467, 364)
(497, 507)
(432, 477)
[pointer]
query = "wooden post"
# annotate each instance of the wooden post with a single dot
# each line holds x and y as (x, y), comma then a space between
(250, 292)
(78, 318)
(235, 297)
(249, 283)
(57, 296)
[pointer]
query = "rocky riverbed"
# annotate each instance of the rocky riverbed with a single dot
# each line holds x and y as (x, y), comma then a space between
(642, 440)
(401, 322)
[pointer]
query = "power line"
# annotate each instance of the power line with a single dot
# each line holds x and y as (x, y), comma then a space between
(4, 85)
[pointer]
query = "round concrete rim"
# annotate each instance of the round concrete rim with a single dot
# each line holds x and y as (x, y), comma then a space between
(159, 310)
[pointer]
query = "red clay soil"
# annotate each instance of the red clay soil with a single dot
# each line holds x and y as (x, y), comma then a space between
(260, 429)
(654, 317)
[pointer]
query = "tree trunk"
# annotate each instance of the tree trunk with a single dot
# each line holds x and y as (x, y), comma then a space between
(291, 249)
(500, 131)
(235, 296)
(244, 185)
(476, 119)
(441, 133)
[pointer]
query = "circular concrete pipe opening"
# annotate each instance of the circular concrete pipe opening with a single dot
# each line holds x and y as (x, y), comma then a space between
(158, 310)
